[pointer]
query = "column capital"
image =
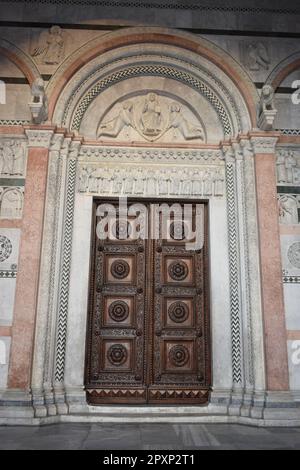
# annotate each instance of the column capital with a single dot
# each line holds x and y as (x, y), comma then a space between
(264, 143)
(39, 137)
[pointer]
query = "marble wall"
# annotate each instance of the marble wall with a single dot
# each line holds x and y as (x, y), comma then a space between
(170, 115)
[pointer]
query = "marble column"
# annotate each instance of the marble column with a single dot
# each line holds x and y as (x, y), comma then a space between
(270, 259)
(29, 259)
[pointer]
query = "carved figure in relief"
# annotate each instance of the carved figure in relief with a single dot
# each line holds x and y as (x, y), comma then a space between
(187, 129)
(207, 186)
(287, 168)
(18, 159)
(290, 164)
(8, 158)
(11, 203)
(113, 127)
(281, 170)
(219, 183)
(117, 180)
(51, 46)
(83, 180)
(106, 181)
(257, 56)
(128, 184)
(197, 183)
(151, 115)
(288, 211)
(139, 182)
(163, 183)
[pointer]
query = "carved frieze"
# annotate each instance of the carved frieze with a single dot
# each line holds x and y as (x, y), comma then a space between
(151, 117)
(139, 154)
(12, 158)
(151, 180)
(11, 202)
(288, 167)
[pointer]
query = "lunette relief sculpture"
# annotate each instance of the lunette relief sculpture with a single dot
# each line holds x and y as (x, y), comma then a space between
(151, 118)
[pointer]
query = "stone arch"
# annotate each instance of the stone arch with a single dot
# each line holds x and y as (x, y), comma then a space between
(20, 59)
(283, 69)
(188, 49)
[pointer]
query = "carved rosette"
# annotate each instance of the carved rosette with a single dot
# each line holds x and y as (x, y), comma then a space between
(178, 312)
(117, 354)
(294, 255)
(179, 355)
(178, 270)
(177, 230)
(119, 269)
(5, 248)
(121, 230)
(118, 311)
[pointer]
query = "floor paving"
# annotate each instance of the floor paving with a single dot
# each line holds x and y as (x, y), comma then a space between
(148, 437)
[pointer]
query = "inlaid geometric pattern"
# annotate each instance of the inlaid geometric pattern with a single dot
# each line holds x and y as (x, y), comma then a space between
(150, 70)
(234, 275)
(65, 275)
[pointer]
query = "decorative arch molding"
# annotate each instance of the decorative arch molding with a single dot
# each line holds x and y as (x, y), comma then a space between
(20, 59)
(187, 45)
(283, 69)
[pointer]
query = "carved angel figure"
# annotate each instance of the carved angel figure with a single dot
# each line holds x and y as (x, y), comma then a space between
(113, 127)
(187, 129)
(51, 46)
(258, 56)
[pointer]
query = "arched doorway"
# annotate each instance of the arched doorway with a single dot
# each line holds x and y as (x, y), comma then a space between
(158, 119)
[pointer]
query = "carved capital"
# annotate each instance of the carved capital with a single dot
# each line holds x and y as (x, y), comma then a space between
(246, 148)
(74, 149)
(228, 153)
(56, 142)
(264, 144)
(39, 138)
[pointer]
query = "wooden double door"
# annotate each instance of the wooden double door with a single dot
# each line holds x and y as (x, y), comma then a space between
(148, 321)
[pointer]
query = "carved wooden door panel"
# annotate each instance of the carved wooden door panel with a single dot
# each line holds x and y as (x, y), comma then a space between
(180, 369)
(148, 329)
